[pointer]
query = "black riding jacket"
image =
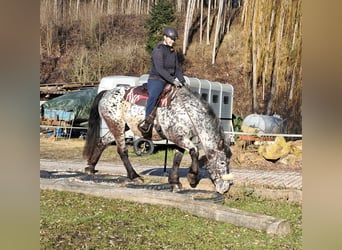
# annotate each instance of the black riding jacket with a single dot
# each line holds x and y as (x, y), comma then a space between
(165, 65)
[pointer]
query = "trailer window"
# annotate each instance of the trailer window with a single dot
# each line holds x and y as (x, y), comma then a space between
(122, 85)
(225, 100)
(205, 96)
(215, 98)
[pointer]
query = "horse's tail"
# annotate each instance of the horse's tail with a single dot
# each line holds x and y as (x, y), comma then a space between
(93, 132)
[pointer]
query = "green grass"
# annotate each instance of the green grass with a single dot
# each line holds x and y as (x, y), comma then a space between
(78, 221)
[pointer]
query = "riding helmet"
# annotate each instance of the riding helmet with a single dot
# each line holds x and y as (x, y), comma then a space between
(170, 32)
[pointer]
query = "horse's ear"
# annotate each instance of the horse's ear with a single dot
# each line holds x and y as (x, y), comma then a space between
(220, 145)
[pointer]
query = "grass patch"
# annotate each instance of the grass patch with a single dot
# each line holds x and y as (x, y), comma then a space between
(78, 221)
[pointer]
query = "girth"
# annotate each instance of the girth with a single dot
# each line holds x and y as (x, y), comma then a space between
(139, 95)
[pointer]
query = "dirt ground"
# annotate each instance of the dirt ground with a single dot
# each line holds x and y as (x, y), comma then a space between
(243, 156)
(69, 153)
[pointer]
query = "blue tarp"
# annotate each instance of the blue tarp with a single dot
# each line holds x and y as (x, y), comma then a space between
(60, 115)
(75, 105)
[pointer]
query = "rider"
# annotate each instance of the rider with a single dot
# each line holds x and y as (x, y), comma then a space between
(165, 69)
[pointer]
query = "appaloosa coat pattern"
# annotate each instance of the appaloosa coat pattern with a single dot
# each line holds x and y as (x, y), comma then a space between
(189, 122)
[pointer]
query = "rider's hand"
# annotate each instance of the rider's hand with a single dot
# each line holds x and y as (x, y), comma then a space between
(177, 83)
(187, 85)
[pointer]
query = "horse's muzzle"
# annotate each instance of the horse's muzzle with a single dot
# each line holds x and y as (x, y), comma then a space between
(222, 186)
(227, 177)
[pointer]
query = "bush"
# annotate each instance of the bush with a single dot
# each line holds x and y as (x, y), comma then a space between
(161, 15)
(90, 65)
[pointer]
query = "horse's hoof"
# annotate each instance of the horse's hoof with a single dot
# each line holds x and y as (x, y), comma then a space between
(138, 180)
(176, 187)
(192, 179)
(193, 185)
(90, 170)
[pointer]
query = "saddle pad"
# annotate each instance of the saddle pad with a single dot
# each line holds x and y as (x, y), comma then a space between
(139, 95)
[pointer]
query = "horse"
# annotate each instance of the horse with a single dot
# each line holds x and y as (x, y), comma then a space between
(187, 120)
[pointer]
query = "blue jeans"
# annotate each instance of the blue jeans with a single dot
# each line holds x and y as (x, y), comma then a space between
(154, 87)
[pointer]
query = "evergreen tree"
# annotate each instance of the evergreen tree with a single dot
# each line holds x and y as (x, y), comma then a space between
(161, 15)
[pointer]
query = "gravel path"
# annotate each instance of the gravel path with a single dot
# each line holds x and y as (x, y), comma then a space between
(286, 180)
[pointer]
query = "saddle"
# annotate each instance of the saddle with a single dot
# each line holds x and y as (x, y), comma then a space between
(139, 95)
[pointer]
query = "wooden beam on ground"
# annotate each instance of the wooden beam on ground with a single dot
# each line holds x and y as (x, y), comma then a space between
(269, 224)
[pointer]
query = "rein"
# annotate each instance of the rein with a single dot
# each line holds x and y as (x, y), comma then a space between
(193, 124)
(229, 176)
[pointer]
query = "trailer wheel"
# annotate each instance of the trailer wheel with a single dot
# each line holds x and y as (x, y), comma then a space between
(142, 146)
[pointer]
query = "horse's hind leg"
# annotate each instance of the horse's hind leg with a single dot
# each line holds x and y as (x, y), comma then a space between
(99, 147)
(192, 176)
(92, 161)
(123, 153)
(173, 175)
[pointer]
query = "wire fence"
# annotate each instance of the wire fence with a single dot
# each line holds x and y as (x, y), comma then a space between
(66, 132)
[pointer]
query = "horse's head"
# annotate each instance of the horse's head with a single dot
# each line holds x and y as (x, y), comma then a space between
(218, 167)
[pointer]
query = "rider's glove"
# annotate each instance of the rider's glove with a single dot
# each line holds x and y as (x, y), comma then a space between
(187, 85)
(177, 83)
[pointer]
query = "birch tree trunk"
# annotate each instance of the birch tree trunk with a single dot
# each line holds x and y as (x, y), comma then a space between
(188, 21)
(277, 57)
(296, 46)
(179, 5)
(208, 23)
(201, 23)
(55, 10)
(77, 9)
(254, 56)
(244, 13)
(217, 31)
(268, 51)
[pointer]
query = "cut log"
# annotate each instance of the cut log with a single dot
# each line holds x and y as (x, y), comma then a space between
(269, 224)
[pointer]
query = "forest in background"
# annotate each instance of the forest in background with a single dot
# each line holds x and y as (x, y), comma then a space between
(255, 46)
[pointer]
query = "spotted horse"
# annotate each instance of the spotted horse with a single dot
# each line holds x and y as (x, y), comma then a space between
(188, 121)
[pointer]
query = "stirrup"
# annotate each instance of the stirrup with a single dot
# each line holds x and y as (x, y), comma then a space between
(146, 129)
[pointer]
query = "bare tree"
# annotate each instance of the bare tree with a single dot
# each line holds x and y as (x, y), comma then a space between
(217, 31)
(277, 61)
(255, 55)
(201, 23)
(188, 23)
(273, 56)
(208, 23)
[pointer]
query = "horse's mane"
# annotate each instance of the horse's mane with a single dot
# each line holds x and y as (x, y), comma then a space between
(210, 118)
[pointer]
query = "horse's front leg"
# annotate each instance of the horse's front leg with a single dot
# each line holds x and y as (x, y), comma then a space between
(174, 175)
(131, 173)
(192, 176)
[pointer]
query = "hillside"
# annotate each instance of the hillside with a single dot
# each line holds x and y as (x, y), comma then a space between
(127, 30)
(262, 60)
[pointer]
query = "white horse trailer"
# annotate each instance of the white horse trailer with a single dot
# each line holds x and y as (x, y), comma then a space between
(218, 95)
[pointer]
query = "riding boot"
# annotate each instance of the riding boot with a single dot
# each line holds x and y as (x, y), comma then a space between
(145, 127)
